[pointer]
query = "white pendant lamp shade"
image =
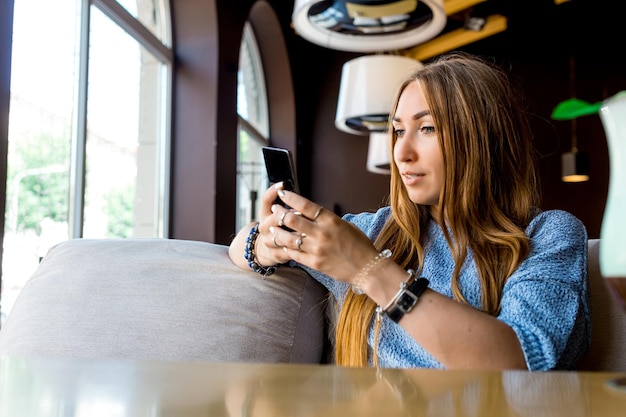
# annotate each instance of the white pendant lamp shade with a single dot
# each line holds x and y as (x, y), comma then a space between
(378, 158)
(367, 90)
(368, 26)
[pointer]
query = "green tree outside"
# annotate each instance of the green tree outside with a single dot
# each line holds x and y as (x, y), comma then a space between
(38, 182)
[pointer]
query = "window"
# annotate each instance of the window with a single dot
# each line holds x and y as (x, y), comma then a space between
(88, 127)
(253, 131)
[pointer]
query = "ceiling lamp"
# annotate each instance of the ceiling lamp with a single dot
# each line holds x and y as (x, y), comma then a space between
(574, 164)
(368, 26)
(367, 89)
(378, 159)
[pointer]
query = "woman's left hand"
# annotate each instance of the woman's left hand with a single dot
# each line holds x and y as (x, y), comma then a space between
(320, 239)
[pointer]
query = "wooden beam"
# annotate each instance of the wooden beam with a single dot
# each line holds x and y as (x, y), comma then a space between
(454, 6)
(455, 39)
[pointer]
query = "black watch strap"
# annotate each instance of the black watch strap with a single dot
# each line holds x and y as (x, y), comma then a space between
(406, 298)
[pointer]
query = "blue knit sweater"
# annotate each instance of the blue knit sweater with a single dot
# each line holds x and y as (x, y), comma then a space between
(545, 301)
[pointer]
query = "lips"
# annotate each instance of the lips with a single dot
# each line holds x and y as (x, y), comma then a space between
(411, 178)
(413, 175)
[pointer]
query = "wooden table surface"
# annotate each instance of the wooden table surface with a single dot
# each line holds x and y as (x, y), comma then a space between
(113, 388)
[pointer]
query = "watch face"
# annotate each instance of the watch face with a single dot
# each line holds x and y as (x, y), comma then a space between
(407, 301)
(408, 298)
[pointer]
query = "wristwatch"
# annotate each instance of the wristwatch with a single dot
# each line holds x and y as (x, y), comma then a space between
(406, 297)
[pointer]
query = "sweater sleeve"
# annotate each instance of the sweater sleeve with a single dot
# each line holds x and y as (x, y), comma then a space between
(546, 300)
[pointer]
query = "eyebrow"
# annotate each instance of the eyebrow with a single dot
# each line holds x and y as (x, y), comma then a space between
(416, 116)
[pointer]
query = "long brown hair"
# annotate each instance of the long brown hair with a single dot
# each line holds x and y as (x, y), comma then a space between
(487, 198)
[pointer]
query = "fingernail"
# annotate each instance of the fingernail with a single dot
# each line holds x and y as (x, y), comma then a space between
(281, 193)
(297, 213)
(272, 229)
(279, 185)
(285, 248)
(273, 208)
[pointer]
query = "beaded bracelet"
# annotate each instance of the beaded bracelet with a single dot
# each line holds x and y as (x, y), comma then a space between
(385, 254)
(250, 255)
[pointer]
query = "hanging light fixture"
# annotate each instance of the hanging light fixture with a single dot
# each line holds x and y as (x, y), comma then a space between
(361, 26)
(367, 89)
(378, 158)
(574, 164)
(575, 167)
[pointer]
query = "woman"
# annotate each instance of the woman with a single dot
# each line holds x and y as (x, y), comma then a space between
(505, 283)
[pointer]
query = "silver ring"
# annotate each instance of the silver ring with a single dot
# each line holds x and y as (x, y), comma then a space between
(274, 242)
(317, 213)
(299, 243)
(282, 218)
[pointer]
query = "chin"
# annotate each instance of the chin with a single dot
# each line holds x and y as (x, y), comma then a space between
(423, 201)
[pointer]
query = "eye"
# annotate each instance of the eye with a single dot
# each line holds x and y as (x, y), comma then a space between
(428, 129)
(398, 132)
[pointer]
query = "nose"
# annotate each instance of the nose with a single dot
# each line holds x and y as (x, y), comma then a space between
(403, 151)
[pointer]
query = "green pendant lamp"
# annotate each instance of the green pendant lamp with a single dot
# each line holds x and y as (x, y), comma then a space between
(574, 164)
(573, 108)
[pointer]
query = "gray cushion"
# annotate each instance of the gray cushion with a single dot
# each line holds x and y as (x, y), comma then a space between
(608, 321)
(163, 299)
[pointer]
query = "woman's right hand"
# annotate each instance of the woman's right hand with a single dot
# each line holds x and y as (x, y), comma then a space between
(267, 250)
(318, 238)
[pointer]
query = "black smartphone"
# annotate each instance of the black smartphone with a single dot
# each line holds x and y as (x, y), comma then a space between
(280, 166)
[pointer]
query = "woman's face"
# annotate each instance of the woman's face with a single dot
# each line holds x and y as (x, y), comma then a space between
(416, 152)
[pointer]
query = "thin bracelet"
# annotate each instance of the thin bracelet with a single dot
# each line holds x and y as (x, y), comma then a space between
(405, 299)
(356, 286)
(250, 255)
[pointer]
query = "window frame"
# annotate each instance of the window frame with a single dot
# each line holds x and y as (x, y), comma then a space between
(162, 52)
(132, 26)
(254, 122)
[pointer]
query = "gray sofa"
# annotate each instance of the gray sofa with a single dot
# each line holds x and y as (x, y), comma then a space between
(164, 299)
(167, 299)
